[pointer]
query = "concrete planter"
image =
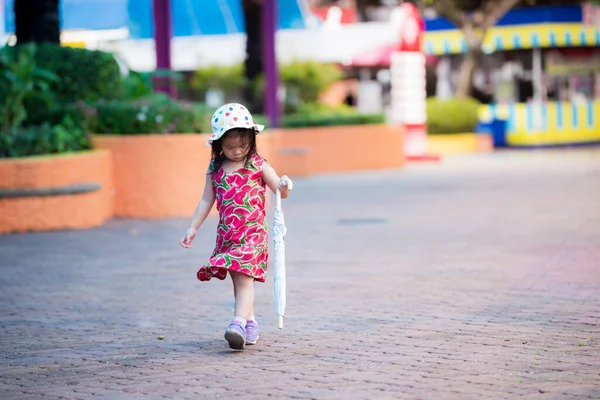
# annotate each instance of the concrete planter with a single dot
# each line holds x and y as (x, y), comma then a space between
(159, 175)
(312, 150)
(70, 191)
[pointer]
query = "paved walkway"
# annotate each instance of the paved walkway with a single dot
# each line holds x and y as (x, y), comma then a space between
(476, 278)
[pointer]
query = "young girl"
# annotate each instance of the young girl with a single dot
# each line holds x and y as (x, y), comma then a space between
(236, 179)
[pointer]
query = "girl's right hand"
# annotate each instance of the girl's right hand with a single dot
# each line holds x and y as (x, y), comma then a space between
(188, 238)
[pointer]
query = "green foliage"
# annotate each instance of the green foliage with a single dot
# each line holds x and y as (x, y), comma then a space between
(202, 115)
(85, 75)
(315, 114)
(21, 80)
(137, 85)
(81, 114)
(312, 108)
(260, 119)
(303, 81)
(44, 139)
(229, 80)
(141, 117)
(299, 121)
(156, 113)
(452, 116)
(318, 114)
(34, 76)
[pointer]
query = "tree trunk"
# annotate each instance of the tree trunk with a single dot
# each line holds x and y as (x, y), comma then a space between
(465, 76)
(470, 61)
(253, 64)
(474, 26)
(37, 21)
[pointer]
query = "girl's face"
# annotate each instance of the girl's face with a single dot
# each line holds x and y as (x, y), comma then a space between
(235, 148)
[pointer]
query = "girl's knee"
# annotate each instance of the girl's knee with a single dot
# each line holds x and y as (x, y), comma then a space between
(239, 278)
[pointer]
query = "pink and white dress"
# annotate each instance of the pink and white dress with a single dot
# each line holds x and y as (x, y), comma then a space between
(242, 235)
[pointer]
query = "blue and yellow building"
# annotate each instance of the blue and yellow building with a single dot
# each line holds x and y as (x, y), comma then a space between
(548, 123)
(557, 120)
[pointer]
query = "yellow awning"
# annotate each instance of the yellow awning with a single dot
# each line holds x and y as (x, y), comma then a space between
(515, 37)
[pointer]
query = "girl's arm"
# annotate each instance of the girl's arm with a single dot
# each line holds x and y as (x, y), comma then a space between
(202, 210)
(274, 182)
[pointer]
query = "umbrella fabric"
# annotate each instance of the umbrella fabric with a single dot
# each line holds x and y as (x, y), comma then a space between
(279, 284)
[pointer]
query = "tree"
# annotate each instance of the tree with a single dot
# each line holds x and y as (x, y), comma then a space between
(37, 21)
(253, 63)
(473, 18)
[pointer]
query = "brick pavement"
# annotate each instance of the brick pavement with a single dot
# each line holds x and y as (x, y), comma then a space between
(476, 278)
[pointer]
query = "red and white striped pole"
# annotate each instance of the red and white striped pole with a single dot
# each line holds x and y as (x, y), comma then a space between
(408, 83)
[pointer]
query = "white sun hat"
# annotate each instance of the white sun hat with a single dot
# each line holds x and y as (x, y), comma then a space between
(231, 116)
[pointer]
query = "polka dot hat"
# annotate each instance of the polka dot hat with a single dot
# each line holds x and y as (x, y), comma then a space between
(230, 116)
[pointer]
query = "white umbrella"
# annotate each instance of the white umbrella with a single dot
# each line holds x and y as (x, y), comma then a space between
(279, 231)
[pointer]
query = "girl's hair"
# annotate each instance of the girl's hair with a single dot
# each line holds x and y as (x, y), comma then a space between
(218, 157)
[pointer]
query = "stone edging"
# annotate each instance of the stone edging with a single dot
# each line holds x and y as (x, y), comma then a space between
(53, 191)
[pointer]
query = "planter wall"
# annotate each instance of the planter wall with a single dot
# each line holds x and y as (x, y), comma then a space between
(265, 144)
(305, 151)
(159, 176)
(156, 176)
(460, 143)
(72, 191)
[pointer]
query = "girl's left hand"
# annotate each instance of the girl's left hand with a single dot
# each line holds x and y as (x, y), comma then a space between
(285, 183)
(188, 238)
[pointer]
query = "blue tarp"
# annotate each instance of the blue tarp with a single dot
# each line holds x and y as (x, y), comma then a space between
(522, 16)
(190, 17)
(211, 17)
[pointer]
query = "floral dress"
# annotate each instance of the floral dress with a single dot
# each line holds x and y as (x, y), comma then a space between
(242, 236)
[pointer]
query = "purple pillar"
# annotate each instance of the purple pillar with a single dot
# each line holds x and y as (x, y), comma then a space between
(270, 20)
(161, 12)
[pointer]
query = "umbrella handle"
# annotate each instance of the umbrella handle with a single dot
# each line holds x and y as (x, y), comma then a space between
(278, 201)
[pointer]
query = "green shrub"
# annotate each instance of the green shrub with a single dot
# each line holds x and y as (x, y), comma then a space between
(156, 113)
(85, 75)
(202, 115)
(312, 108)
(21, 80)
(319, 114)
(141, 117)
(261, 119)
(137, 85)
(44, 139)
(452, 116)
(229, 80)
(303, 120)
(304, 81)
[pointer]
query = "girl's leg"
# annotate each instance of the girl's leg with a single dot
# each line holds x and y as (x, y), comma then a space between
(241, 331)
(234, 296)
(243, 290)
